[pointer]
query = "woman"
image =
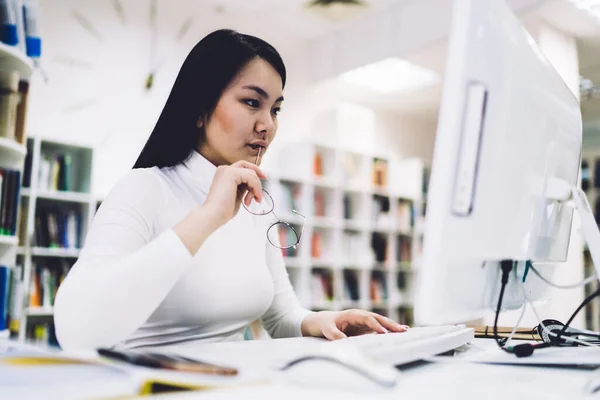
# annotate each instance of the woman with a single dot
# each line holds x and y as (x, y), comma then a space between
(169, 259)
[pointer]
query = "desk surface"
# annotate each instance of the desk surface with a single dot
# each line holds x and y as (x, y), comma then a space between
(450, 378)
(440, 380)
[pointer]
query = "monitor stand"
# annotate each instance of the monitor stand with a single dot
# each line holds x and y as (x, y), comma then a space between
(560, 190)
(591, 233)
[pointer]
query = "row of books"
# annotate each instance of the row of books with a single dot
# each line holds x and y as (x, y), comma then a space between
(379, 245)
(586, 177)
(592, 309)
(287, 238)
(406, 316)
(58, 227)
(320, 203)
(11, 297)
(56, 172)
(321, 286)
(404, 249)
(286, 197)
(402, 280)
(378, 288)
(10, 184)
(351, 286)
(379, 170)
(316, 244)
(42, 334)
(45, 280)
(381, 217)
(406, 216)
(354, 248)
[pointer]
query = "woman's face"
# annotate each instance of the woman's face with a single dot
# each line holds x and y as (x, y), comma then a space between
(245, 118)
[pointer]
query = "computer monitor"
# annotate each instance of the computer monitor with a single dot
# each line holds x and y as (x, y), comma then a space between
(508, 124)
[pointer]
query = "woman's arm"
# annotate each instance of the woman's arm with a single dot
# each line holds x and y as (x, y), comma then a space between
(285, 315)
(124, 272)
(122, 275)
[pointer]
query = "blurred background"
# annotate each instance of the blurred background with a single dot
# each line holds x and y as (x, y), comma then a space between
(353, 152)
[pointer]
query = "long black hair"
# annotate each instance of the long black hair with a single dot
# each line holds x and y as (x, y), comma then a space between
(206, 72)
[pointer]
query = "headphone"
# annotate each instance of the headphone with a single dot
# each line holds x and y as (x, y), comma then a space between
(545, 330)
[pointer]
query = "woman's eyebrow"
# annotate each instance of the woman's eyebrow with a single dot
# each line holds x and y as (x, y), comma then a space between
(261, 92)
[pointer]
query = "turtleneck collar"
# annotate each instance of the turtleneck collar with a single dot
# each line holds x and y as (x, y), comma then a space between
(200, 170)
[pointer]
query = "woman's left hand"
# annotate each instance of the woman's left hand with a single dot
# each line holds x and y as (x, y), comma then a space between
(340, 324)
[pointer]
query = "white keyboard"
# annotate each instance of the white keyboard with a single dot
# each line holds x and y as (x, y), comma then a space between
(413, 345)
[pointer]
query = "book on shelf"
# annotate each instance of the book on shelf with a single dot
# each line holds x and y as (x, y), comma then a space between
(351, 286)
(380, 212)
(286, 196)
(406, 215)
(402, 280)
(287, 238)
(27, 168)
(404, 249)
(321, 286)
(11, 297)
(316, 245)
(379, 245)
(56, 172)
(58, 227)
(45, 280)
(41, 334)
(347, 207)
(318, 164)
(405, 316)
(380, 169)
(378, 288)
(10, 185)
(319, 203)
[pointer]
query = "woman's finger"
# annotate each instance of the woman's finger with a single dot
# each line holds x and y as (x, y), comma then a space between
(248, 165)
(390, 324)
(372, 323)
(251, 182)
(334, 333)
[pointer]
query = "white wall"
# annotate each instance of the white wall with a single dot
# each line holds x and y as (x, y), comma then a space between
(122, 118)
(116, 114)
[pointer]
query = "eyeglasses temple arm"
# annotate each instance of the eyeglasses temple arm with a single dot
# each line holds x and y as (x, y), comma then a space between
(303, 223)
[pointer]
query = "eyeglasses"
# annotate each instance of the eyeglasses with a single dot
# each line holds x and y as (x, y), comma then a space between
(280, 234)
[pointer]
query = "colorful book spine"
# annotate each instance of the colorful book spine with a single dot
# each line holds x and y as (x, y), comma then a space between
(5, 277)
(9, 201)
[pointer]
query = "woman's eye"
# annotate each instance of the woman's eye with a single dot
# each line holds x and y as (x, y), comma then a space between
(252, 103)
(276, 110)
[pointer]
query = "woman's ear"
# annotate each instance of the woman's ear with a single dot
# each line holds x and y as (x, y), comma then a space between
(200, 122)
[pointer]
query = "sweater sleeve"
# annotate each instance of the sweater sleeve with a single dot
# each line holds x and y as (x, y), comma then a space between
(285, 315)
(123, 272)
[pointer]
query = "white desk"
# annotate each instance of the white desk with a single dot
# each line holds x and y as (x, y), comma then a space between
(444, 380)
(428, 381)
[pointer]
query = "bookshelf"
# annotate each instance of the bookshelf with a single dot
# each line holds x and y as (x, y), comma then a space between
(590, 183)
(363, 232)
(15, 72)
(57, 209)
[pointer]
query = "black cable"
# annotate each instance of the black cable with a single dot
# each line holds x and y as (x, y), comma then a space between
(583, 304)
(506, 266)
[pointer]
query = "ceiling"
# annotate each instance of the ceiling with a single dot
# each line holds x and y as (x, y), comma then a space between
(559, 13)
(289, 24)
(295, 17)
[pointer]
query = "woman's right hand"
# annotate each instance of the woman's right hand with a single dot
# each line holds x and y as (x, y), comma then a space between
(229, 187)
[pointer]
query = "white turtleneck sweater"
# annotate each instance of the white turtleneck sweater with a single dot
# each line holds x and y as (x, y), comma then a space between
(136, 284)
